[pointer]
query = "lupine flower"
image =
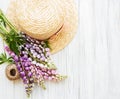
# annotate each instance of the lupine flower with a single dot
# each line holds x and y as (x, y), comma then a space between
(34, 63)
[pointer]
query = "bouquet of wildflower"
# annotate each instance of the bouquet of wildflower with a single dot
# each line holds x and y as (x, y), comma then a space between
(31, 56)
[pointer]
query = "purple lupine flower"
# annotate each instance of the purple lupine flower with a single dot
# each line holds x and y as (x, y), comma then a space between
(26, 81)
(47, 54)
(16, 59)
(27, 68)
(12, 54)
(29, 74)
(38, 56)
(22, 74)
(53, 72)
(28, 46)
(42, 58)
(47, 49)
(33, 63)
(37, 48)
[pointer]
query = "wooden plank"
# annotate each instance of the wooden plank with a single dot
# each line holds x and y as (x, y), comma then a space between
(91, 61)
(99, 55)
(6, 86)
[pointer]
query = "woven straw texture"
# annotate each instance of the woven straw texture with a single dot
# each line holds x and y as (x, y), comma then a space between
(41, 19)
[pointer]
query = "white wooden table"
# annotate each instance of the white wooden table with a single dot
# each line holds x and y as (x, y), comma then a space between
(91, 61)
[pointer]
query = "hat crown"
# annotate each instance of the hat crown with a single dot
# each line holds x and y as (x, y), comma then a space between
(45, 16)
(68, 14)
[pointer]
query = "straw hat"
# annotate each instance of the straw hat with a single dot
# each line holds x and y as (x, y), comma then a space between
(55, 20)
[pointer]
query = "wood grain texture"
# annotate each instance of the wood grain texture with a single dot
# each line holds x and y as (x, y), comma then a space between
(91, 61)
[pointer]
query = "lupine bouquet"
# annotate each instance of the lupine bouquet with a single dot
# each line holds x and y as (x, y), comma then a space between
(31, 56)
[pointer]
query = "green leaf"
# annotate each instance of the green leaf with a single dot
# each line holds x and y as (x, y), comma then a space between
(14, 47)
(9, 34)
(47, 45)
(1, 63)
(4, 59)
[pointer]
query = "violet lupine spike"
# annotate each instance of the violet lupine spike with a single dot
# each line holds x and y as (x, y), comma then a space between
(37, 51)
(34, 64)
(37, 76)
(20, 64)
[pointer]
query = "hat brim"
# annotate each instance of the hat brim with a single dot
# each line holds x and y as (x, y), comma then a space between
(64, 37)
(61, 39)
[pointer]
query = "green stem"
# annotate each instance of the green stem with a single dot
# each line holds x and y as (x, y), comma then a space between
(4, 30)
(6, 20)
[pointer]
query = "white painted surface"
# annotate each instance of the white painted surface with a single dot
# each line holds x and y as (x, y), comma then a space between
(91, 61)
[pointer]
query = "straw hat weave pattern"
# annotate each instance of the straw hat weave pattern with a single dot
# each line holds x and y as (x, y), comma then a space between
(55, 20)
